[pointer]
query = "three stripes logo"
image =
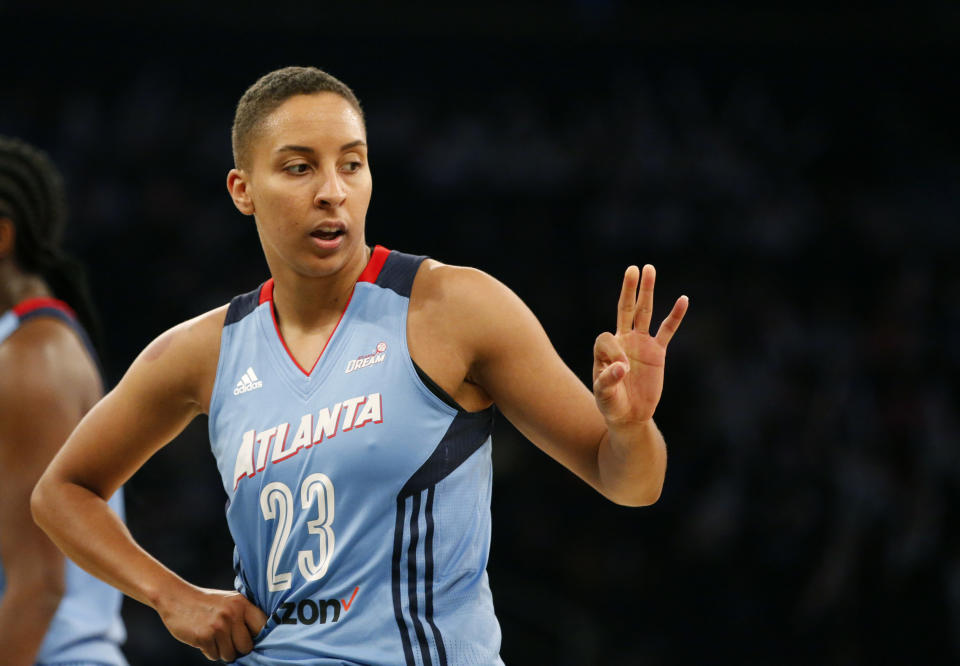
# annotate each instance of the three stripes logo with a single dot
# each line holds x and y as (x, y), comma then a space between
(249, 382)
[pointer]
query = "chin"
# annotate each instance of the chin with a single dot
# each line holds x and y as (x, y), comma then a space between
(331, 264)
(322, 267)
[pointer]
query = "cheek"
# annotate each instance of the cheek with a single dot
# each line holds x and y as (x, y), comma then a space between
(362, 192)
(278, 204)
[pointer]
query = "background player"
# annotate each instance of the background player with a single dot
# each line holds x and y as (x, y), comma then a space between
(51, 611)
(302, 171)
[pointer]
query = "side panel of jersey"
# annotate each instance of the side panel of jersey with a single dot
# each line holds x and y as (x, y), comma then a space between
(357, 499)
(87, 626)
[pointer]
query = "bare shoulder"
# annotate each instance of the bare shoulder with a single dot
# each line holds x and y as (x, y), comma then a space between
(191, 340)
(45, 362)
(42, 339)
(184, 358)
(459, 290)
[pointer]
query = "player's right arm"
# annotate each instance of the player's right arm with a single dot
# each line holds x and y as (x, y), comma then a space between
(165, 388)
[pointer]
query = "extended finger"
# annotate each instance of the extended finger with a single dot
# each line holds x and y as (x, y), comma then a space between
(644, 309)
(672, 322)
(628, 299)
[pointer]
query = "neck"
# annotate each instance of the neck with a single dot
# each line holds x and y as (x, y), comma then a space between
(308, 302)
(16, 286)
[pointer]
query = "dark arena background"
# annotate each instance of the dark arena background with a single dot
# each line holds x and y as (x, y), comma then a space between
(793, 170)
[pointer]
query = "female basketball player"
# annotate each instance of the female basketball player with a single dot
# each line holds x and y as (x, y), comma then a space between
(350, 400)
(51, 611)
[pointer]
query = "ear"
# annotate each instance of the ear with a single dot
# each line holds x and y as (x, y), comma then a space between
(238, 186)
(8, 234)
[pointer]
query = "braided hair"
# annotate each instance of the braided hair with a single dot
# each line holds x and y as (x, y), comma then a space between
(33, 196)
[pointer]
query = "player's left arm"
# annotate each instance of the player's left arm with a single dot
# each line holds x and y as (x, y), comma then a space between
(608, 438)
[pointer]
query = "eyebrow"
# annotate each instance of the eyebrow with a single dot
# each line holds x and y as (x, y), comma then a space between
(307, 149)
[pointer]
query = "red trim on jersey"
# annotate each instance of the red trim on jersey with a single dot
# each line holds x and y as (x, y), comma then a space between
(276, 326)
(377, 259)
(31, 304)
(273, 315)
(370, 273)
(266, 292)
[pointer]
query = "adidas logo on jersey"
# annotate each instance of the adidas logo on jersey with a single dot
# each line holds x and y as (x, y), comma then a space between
(248, 382)
(367, 360)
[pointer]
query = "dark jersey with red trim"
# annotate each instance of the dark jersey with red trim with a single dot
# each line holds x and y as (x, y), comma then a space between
(358, 493)
(87, 627)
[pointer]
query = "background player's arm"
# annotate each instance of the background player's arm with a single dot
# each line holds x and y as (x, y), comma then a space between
(608, 439)
(165, 388)
(37, 412)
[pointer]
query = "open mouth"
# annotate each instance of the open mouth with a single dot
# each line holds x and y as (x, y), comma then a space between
(327, 234)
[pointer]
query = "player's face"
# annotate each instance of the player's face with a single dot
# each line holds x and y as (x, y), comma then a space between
(308, 185)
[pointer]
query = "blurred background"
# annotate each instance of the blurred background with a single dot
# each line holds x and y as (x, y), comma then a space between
(793, 170)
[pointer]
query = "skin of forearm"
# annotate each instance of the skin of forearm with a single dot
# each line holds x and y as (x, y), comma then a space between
(83, 526)
(26, 609)
(632, 461)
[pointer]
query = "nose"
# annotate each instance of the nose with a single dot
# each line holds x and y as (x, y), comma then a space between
(331, 193)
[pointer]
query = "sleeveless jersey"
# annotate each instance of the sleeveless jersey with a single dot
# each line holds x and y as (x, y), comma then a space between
(358, 492)
(86, 628)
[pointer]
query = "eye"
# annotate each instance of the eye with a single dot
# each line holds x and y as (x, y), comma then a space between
(297, 169)
(352, 166)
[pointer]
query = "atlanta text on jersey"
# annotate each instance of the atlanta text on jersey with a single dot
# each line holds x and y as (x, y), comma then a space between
(256, 447)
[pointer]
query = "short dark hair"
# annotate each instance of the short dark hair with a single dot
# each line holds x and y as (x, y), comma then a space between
(33, 197)
(273, 89)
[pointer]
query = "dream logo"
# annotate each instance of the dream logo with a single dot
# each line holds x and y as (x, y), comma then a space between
(367, 360)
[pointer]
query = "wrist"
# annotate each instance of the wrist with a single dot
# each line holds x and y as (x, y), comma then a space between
(632, 463)
(628, 438)
(161, 593)
(631, 429)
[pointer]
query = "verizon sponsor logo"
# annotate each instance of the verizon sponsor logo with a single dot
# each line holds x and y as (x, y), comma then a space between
(309, 611)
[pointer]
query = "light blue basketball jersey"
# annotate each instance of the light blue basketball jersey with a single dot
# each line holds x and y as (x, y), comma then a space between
(358, 493)
(86, 628)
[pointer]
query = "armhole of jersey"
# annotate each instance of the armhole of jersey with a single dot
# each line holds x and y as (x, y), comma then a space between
(436, 388)
(215, 391)
(397, 273)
